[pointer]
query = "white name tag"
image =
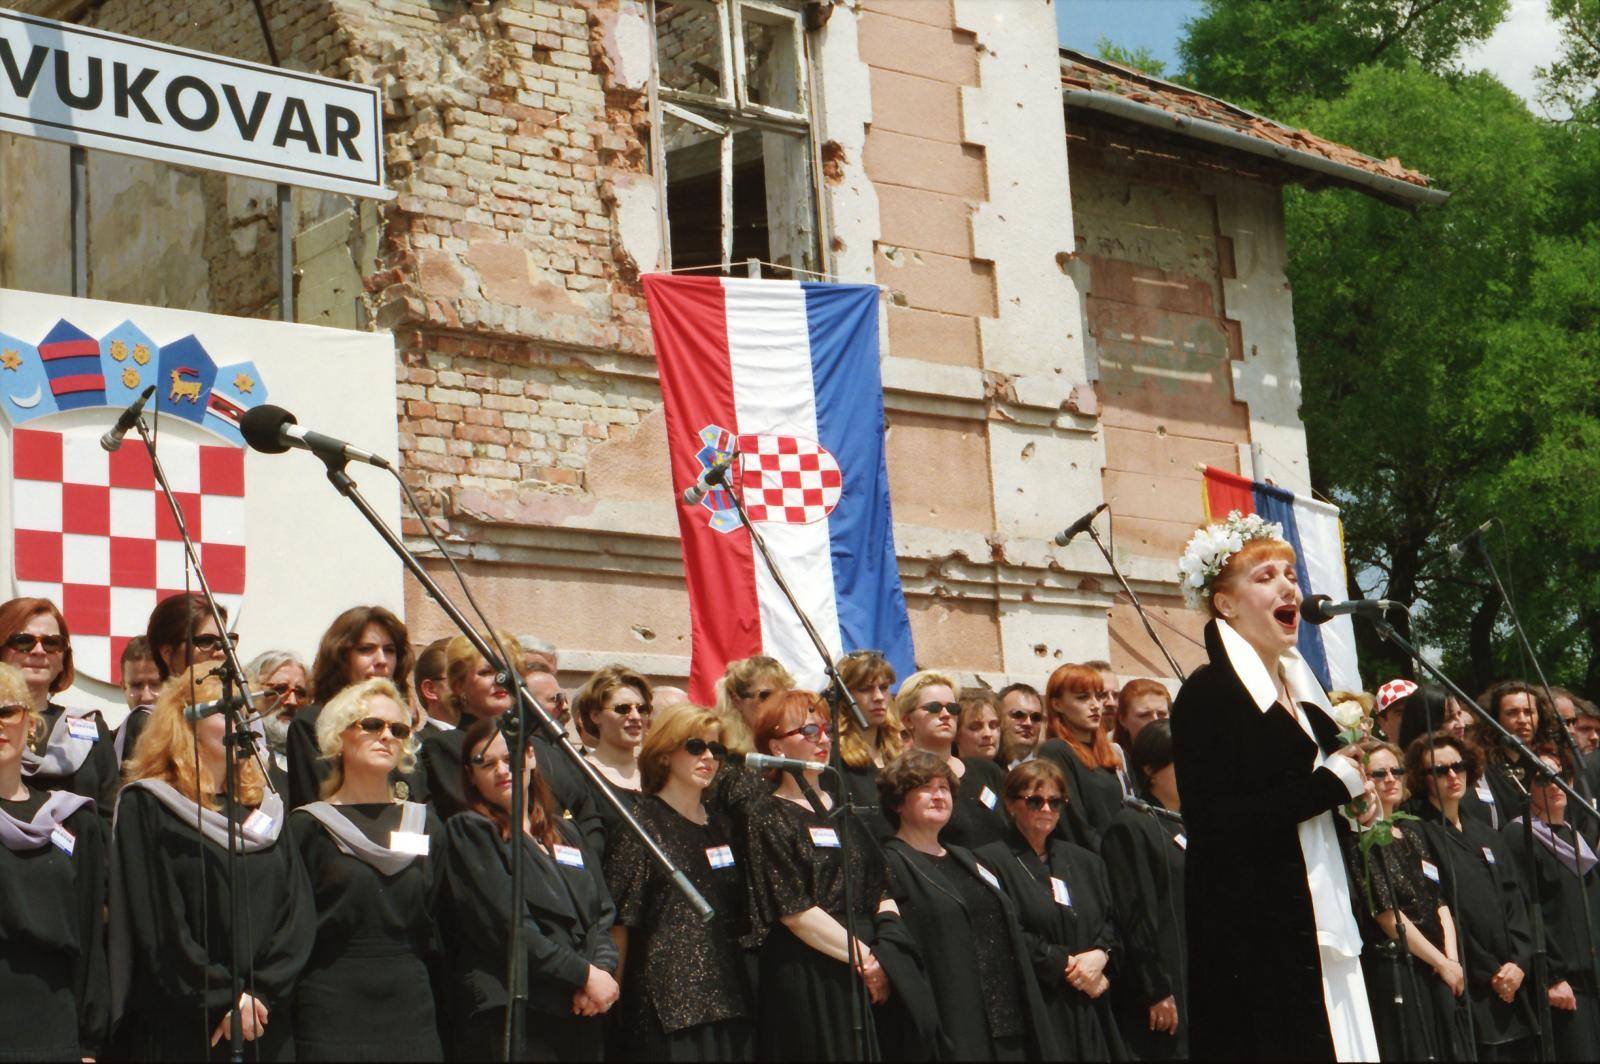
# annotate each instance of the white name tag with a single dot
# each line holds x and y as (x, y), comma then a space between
(824, 837)
(570, 856)
(988, 877)
(258, 823)
(413, 842)
(83, 728)
(1430, 870)
(720, 856)
(988, 797)
(63, 840)
(1488, 855)
(1058, 891)
(1182, 840)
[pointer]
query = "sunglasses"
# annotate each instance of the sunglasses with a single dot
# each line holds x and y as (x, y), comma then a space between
(23, 642)
(1456, 768)
(209, 642)
(697, 747)
(1387, 773)
(952, 709)
(627, 709)
(376, 725)
(1038, 802)
(12, 714)
(810, 731)
(1020, 715)
(284, 690)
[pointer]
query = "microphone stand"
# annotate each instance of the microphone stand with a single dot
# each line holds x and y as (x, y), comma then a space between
(1138, 607)
(516, 748)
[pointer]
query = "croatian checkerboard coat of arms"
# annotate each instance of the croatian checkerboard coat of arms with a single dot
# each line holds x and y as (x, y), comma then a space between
(90, 529)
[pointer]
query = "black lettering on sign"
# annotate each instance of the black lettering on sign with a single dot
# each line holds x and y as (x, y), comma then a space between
(295, 124)
(124, 92)
(208, 115)
(248, 124)
(91, 97)
(342, 126)
(22, 83)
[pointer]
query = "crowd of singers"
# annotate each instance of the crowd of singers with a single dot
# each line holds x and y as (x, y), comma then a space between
(1005, 903)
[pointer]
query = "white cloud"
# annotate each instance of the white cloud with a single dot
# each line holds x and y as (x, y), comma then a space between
(1526, 39)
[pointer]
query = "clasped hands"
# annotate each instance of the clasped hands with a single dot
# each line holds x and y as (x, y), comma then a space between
(1086, 972)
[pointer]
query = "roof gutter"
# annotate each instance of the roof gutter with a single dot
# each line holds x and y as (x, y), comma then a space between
(1390, 189)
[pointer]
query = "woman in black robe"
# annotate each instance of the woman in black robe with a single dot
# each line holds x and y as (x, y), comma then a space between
(870, 680)
(1063, 901)
(927, 703)
(1564, 881)
(1479, 883)
(566, 917)
(1080, 747)
(53, 987)
(1429, 709)
(1144, 856)
(171, 935)
(374, 864)
(684, 994)
(614, 706)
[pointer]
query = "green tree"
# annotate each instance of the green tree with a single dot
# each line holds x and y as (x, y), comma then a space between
(1573, 78)
(1141, 59)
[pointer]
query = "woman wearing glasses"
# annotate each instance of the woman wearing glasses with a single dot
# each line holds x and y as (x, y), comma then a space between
(374, 866)
(179, 632)
(171, 932)
(927, 703)
(566, 916)
(53, 990)
(72, 749)
(683, 980)
(1063, 902)
(614, 706)
(797, 871)
(1479, 883)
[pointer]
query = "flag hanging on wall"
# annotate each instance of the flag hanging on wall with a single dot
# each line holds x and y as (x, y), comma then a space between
(779, 380)
(1312, 528)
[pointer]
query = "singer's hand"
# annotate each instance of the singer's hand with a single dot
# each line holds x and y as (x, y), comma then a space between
(1369, 812)
(601, 990)
(1083, 969)
(1454, 978)
(254, 1015)
(1506, 982)
(1562, 997)
(874, 976)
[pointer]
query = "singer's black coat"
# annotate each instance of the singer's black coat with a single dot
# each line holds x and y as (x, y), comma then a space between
(1145, 859)
(978, 816)
(1246, 776)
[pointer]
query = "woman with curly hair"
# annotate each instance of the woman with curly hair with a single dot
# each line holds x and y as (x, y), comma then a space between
(374, 866)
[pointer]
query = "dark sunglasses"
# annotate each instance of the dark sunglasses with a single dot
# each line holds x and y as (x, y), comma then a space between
(209, 642)
(12, 714)
(1387, 773)
(627, 710)
(375, 726)
(697, 747)
(23, 642)
(810, 731)
(952, 709)
(1020, 715)
(284, 690)
(1037, 802)
(1456, 768)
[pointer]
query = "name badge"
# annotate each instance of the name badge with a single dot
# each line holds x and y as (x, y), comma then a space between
(1488, 855)
(1058, 891)
(413, 842)
(63, 840)
(83, 728)
(719, 856)
(824, 837)
(570, 856)
(988, 877)
(1430, 870)
(1182, 840)
(258, 823)
(988, 797)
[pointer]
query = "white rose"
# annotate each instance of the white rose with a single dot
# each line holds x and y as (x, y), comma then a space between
(1348, 715)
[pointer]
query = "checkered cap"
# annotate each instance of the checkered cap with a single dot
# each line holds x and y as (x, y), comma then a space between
(1394, 691)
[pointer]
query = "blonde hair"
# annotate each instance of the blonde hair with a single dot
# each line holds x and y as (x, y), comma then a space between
(857, 670)
(165, 749)
(905, 703)
(343, 710)
(671, 728)
(742, 679)
(14, 692)
(461, 658)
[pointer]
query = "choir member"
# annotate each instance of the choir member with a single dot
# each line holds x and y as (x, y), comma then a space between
(869, 679)
(1075, 700)
(173, 944)
(745, 685)
(362, 643)
(374, 865)
(1022, 714)
(927, 704)
(431, 688)
(566, 915)
(614, 706)
(280, 677)
(1562, 880)
(1144, 856)
(73, 749)
(1140, 702)
(1427, 709)
(182, 632)
(1063, 900)
(141, 680)
(982, 1000)
(1109, 686)
(1479, 883)
(797, 870)
(684, 981)
(978, 727)
(53, 987)
(1523, 711)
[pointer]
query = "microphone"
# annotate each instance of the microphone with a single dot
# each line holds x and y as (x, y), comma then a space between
(1080, 526)
(113, 439)
(1459, 548)
(273, 430)
(1320, 609)
(713, 478)
(1141, 806)
(763, 762)
(201, 710)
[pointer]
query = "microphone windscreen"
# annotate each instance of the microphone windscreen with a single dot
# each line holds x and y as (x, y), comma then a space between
(1311, 609)
(260, 427)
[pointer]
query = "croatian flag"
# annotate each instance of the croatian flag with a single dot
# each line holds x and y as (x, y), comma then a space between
(1312, 528)
(779, 381)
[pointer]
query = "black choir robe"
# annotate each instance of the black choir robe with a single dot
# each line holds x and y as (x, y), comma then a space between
(1145, 859)
(1094, 795)
(978, 815)
(97, 777)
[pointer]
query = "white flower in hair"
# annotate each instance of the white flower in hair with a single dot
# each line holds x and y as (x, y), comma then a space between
(1210, 548)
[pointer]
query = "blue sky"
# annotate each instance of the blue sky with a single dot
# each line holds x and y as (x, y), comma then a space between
(1152, 24)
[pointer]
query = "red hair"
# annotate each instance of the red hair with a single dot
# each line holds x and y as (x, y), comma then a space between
(1136, 689)
(14, 617)
(774, 715)
(1078, 680)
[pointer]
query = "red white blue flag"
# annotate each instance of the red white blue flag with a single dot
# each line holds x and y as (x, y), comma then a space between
(780, 381)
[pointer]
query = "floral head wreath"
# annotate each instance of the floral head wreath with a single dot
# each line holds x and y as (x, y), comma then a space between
(1210, 548)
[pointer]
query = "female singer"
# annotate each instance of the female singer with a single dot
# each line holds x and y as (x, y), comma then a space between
(1429, 709)
(1140, 702)
(171, 934)
(927, 703)
(362, 643)
(978, 728)
(869, 678)
(1144, 855)
(982, 1002)
(796, 871)
(683, 980)
(1478, 881)
(53, 989)
(1563, 880)
(566, 916)
(1074, 697)
(614, 706)
(72, 749)
(374, 868)
(182, 632)
(745, 685)
(1270, 920)
(1064, 903)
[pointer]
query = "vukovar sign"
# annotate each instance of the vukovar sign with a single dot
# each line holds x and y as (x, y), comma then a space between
(102, 90)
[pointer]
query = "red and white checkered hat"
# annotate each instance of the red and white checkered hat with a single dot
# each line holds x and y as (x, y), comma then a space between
(1394, 691)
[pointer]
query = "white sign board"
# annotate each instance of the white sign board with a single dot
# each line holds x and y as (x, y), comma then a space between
(282, 549)
(102, 90)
